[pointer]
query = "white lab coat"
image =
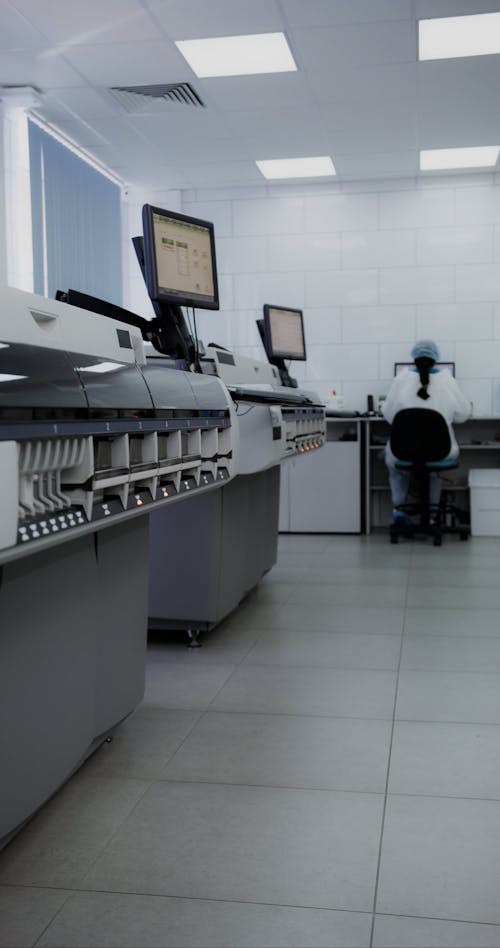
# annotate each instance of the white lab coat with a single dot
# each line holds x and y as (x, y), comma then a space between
(444, 397)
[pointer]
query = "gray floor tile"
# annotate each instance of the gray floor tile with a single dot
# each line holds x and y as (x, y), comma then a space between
(302, 542)
(269, 593)
(284, 574)
(451, 653)
(142, 745)
(100, 920)
(401, 932)
(361, 557)
(440, 859)
(286, 751)
(338, 618)
(470, 575)
(309, 848)
(221, 646)
(457, 760)
(453, 597)
(323, 691)
(326, 649)
(188, 686)
(467, 697)
(453, 559)
(350, 594)
(62, 841)
(355, 576)
(25, 912)
(452, 622)
(252, 615)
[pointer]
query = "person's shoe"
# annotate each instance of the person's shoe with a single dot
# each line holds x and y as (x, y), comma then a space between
(402, 519)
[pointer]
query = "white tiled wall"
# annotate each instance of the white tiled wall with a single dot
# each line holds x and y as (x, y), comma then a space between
(374, 266)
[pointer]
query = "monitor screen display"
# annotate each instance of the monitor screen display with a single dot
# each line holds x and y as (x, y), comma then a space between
(179, 257)
(399, 366)
(284, 333)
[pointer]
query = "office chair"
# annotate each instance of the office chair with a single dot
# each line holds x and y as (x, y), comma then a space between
(420, 440)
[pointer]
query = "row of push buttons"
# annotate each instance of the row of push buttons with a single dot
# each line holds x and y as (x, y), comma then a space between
(309, 446)
(44, 528)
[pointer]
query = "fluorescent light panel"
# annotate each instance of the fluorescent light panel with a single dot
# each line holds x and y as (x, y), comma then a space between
(455, 36)
(321, 167)
(238, 55)
(439, 158)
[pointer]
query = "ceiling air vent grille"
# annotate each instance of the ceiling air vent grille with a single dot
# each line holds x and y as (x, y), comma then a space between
(155, 98)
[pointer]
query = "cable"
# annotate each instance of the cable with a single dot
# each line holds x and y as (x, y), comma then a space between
(197, 354)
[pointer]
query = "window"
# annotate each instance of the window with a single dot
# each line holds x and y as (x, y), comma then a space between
(76, 221)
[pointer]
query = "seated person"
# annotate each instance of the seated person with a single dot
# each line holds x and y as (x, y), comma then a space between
(423, 386)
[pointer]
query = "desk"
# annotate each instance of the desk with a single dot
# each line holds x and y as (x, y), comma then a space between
(479, 443)
(321, 493)
(344, 488)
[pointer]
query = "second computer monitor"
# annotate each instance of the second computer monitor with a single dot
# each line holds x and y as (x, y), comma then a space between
(284, 333)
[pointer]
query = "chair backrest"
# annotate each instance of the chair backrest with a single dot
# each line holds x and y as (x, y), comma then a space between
(419, 435)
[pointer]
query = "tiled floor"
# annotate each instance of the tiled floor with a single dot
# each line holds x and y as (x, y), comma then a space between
(324, 772)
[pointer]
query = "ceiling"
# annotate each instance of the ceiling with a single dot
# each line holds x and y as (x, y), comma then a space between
(359, 93)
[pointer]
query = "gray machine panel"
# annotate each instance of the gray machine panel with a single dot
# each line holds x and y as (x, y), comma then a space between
(111, 384)
(40, 378)
(208, 391)
(169, 389)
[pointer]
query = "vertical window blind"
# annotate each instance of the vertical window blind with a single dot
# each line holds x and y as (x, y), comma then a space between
(76, 221)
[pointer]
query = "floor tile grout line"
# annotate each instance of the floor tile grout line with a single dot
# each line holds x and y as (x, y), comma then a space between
(193, 898)
(205, 711)
(386, 790)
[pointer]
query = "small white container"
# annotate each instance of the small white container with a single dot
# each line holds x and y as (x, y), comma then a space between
(484, 502)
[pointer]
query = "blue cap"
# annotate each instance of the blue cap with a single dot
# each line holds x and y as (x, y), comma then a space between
(427, 348)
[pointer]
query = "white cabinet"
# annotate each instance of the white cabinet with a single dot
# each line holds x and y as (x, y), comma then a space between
(320, 491)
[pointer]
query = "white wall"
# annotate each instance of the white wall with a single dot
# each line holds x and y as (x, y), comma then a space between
(374, 266)
(3, 221)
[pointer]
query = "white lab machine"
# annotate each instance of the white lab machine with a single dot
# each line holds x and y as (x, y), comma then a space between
(91, 439)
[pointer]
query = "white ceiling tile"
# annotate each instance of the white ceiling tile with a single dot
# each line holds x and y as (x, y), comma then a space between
(188, 124)
(365, 84)
(128, 64)
(363, 45)
(326, 13)
(68, 23)
(265, 92)
(45, 69)
(263, 121)
(194, 19)
(86, 103)
(438, 8)
(376, 165)
(16, 32)
(220, 173)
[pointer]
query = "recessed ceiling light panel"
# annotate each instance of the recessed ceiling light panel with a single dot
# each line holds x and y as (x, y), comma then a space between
(238, 55)
(321, 167)
(455, 36)
(439, 158)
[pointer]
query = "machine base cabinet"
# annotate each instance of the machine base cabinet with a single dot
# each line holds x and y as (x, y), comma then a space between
(72, 655)
(208, 554)
(321, 493)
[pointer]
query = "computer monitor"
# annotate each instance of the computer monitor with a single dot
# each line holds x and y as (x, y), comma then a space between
(284, 333)
(179, 259)
(399, 366)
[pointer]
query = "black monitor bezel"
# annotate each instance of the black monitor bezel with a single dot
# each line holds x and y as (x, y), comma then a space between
(411, 365)
(277, 354)
(151, 270)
